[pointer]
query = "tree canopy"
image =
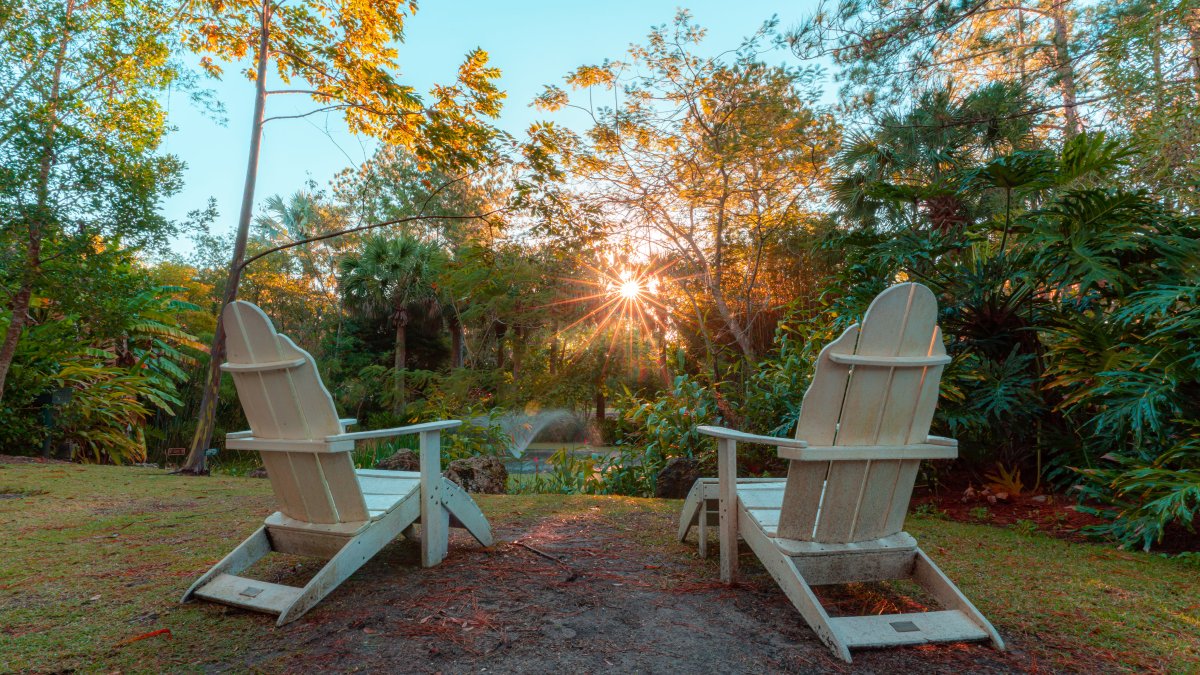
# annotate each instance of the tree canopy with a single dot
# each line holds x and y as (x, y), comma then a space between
(670, 244)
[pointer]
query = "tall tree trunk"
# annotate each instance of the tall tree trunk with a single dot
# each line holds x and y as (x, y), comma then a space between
(1156, 51)
(456, 341)
(500, 330)
(664, 370)
(601, 408)
(202, 439)
(1022, 55)
(398, 365)
(740, 333)
(518, 343)
(1193, 26)
(715, 273)
(19, 311)
(40, 220)
(1063, 66)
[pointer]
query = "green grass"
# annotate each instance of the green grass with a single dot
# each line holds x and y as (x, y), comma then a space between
(94, 556)
(1135, 609)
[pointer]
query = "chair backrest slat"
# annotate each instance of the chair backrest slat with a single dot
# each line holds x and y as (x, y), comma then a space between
(286, 400)
(882, 391)
(822, 403)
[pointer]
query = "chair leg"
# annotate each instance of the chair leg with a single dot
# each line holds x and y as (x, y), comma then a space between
(435, 519)
(435, 533)
(937, 584)
(357, 551)
(788, 576)
(691, 506)
(727, 482)
(461, 506)
(255, 548)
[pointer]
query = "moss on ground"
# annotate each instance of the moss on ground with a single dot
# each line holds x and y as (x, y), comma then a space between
(94, 557)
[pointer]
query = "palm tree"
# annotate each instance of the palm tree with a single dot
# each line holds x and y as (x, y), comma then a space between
(911, 163)
(298, 217)
(388, 278)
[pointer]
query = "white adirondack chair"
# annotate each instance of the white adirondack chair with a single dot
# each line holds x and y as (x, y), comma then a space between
(327, 509)
(839, 516)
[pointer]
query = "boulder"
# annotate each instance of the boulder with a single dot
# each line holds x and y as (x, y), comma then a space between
(676, 478)
(486, 475)
(403, 460)
(260, 472)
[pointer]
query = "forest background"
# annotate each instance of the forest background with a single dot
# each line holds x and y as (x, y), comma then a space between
(676, 258)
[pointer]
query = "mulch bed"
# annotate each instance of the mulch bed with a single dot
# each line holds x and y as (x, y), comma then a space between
(963, 497)
(1052, 514)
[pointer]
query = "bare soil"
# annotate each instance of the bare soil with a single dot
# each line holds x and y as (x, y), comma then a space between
(579, 594)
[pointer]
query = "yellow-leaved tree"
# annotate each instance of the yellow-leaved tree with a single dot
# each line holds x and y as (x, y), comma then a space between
(341, 54)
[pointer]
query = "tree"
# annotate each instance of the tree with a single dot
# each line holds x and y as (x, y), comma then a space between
(905, 173)
(1148, 68)
(80, 127)
(709, 159)
(888, 50)
(342, 53)
(393, 185)
(391, 277)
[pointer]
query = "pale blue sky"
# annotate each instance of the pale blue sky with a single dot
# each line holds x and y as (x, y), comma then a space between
(533, 42)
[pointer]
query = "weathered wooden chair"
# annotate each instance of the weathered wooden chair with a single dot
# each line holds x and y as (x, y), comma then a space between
(838, 517)
(327, 509)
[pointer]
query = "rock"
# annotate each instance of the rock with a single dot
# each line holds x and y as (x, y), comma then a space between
(260, 472)
(557, 630)
(677, 477)
(1039, 499)
(486, 475)
(403, 460)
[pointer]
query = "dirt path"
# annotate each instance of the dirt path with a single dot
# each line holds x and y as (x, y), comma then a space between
(604, 602)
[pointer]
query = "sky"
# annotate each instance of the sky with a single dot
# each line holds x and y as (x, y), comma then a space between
(533, 42)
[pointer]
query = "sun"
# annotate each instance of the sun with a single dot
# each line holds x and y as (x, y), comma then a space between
(625, 298)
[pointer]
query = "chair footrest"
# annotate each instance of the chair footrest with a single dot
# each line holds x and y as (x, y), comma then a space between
(260, 596)
(887, 630)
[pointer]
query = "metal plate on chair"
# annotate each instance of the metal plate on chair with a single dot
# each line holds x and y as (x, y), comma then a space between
(905, 627)
(251, 591)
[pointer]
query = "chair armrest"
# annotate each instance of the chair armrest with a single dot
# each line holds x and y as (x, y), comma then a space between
(742, 437)
(348, 422)
(727, 499)
(398, 431)
(344, 442)
(942, 440)
(429, 457)
(858, 453)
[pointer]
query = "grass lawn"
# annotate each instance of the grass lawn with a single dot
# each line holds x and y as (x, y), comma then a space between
(93, 558)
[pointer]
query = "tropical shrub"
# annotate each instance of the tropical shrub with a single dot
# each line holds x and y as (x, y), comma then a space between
(1068, 306)
(120, 368)
(652, 430)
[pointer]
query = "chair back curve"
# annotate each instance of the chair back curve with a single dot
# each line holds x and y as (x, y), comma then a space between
(875, 385)
(285, 400)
